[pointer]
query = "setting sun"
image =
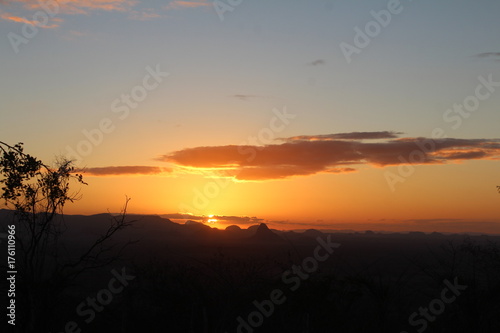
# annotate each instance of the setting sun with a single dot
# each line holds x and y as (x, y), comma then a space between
(211, 219)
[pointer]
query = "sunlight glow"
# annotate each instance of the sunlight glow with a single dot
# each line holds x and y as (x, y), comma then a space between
(211, 219)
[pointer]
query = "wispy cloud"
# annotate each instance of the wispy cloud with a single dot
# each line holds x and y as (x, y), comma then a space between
(489, 55)
(346, 136)
(10, 17)
(340, 170)
(54, 22)
(83, 6)
(26, 8)
(221, 219)
(333, 153)
(124, 170)
(145, 15)
(244, 97)
(317, 62)
(187, 4)
(74, 35)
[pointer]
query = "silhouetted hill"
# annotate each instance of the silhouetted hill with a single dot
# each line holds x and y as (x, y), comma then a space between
(235, 232)
(196, 226)
(251, 230)
(233, 228)
(264, 234)
(313, 233)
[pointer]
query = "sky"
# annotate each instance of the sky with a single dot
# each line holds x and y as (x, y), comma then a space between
(324, 114)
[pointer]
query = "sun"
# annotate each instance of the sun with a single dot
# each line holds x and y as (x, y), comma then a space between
(211, 219)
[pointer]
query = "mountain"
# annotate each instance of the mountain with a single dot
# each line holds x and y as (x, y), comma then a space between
(264, 234)
(313, 233)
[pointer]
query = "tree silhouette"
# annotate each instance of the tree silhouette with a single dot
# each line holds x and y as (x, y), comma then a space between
(38, 193)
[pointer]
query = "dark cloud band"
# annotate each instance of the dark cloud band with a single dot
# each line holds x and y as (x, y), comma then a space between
(333, 153)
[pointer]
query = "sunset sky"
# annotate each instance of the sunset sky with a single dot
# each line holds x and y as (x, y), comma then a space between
(325, 114)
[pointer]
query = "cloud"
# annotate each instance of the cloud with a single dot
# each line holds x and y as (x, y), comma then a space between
(69, 7)
(187, 4)
(346, 136)
(77, 33)
(179, 216)
(27, 8)
(84, 6)
(221, 219)
(124, 170)
(340, 170)
(76, 6)
(74, 35)
(49, 25)
(489, 55)
(333, 153)
(10, 17)
(240, 219)
(317, 62)
(144, 15)
(244, 97)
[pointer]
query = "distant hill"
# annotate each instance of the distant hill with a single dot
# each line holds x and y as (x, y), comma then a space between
(154, 229)
(264, 234)
(233, 228)
(313, 233)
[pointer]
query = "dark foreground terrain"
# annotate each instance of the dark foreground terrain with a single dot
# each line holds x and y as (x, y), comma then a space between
(191, 278)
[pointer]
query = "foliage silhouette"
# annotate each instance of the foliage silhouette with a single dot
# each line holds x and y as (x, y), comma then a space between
(38, 193)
